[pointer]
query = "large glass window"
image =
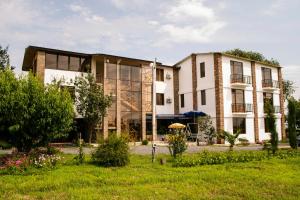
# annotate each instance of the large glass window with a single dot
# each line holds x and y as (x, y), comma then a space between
(239, 124)
(111, 71)
(74, 63)
(51, 61)
(63, 62)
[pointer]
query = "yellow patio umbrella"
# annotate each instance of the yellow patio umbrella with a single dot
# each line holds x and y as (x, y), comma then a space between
(176, 126)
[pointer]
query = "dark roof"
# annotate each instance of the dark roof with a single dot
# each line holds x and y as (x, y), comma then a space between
(31, 50)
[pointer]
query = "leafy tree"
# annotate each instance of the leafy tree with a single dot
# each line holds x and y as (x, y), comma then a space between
(253, 55)
(4, 57)
(292, 123)
(288, 89)
(177, 143)
(271, 123)
(229, 137)
(33, 114)
(91, 102)
(207, 128)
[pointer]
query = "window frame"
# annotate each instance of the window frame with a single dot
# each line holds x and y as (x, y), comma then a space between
(160, 99)
(203, 97)
(234, 124)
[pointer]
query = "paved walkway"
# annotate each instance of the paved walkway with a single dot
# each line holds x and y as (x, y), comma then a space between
(163, 149)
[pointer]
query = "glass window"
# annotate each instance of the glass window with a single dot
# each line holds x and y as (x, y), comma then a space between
(182, 100)
(125, 101)
(236, 67)
(159, 75)
(136, 73)
(75, 63)
(267, 126)
(111, 71)
(239, 124)
(237, 96)
(125, 86)
(51, 61)
(85, 64)
(266, 73)
(135, 86)
(112, 119)
(203, 97)
(63, 62)
(160, 99)
(136, 101)
(202, 69)
(125, 73)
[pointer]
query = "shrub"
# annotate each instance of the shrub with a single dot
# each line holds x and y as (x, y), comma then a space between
(244, 141)
(230, 138)
(113, 151)
(177, 143)
(80, 157)
(145, 142)
(14, 163)
(213, 158)
(207, 128)
(292, 123)
(4, 145)
(44, 157)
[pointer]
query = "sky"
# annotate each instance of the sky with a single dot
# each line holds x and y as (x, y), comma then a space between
(168, 30)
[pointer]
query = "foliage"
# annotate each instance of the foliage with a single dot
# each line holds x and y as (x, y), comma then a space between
(292, 123)
(4, 58)
(206, 127)
(229, 137)
(113, 151)
(91, 102)
(14, 163)
(288, 89)
(4, 145)
(33, 114)
(80, 157)
(145, 142)
(252, 55)
(271, 123)
(213, 158)
(177, 143)
(44, 157)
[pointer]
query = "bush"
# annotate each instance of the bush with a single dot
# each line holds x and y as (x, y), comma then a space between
(213, 158)
(113, 151)
(229, 137)
(13, 164)
(145, 142)
(44, 157)
(244, 141)
(177, 143)
(4, 145)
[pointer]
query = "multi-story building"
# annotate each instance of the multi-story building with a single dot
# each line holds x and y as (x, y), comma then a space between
(230, 89)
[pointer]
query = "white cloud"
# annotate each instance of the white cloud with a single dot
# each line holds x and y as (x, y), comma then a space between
(190, 21)
(274, 7)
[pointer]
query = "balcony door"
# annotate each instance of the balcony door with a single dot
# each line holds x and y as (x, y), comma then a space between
(266, 77)
(238, 101)
(236, 71)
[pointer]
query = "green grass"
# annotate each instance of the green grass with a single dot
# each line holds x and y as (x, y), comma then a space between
(269, 179)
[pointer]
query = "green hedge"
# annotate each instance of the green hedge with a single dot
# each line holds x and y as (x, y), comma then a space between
(213, 158)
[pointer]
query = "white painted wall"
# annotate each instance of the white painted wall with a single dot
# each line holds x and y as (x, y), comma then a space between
(206, 83)
(185, 85)
(166, 87)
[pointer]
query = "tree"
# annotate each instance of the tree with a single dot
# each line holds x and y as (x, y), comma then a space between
(229, 137)
(253, 55)
(271, 124)
(33, 114)
(292, 123)
(4, 57)
(91, 103)
(288, 89)
(207, 128)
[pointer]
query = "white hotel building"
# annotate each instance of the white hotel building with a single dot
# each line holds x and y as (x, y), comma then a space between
(230, 89)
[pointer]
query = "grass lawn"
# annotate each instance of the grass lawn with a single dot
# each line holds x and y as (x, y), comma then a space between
(269, 179)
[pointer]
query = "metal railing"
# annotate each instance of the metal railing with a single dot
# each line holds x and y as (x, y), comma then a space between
(241, 107)
(239, 78)
(270, 83)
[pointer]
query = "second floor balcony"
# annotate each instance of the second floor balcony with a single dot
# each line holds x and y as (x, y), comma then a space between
(269, 84)
(240, 80)
(241, 107)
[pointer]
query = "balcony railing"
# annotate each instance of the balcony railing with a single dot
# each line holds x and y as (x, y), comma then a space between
(269, 83)
(241, 107)
(239, 78)
(276, 109)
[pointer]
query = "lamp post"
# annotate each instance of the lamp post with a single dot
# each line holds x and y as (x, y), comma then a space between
(154, 133)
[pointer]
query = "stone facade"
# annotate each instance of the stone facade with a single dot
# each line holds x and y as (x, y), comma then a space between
(40, 65)
(194, 82)
(254, 95)
(176, 90)
(219, 93)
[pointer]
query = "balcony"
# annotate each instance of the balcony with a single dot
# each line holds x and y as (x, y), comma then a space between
(275, 108)
(240, 80)
(269, 84)
(241, 107)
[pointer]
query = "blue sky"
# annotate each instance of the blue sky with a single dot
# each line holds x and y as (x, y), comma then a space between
(168, 30)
